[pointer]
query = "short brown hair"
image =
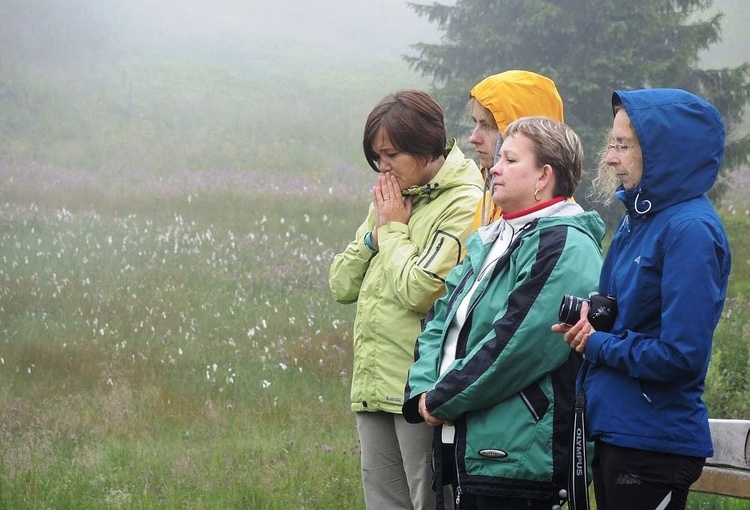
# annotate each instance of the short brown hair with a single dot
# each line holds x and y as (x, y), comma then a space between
(414, 123)
(557, 145)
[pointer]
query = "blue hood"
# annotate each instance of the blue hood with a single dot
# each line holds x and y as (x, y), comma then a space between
(682, 139)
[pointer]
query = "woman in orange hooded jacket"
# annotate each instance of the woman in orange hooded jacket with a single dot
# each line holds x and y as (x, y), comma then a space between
(495, 102)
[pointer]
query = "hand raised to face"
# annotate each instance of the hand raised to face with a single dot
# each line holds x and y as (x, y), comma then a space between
(390, 205)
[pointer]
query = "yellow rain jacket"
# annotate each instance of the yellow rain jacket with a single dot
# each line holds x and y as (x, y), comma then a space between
(510, 96)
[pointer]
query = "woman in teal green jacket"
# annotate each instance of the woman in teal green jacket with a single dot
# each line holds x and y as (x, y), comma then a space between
(489, 371)
(394, 269)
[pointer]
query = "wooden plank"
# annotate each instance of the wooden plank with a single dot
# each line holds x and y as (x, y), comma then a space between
(731, 440)
(724, 481)
(728, 471)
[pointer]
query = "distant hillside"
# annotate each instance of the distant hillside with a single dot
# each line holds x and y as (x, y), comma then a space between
(165, 85)
(235, 84)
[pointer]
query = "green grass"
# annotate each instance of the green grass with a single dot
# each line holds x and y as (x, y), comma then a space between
(181, 349)
(174, 355)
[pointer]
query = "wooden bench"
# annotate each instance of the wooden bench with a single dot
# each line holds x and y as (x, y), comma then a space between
(728, 472)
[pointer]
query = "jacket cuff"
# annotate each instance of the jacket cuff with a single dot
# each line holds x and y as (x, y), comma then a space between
(594, 346)
(410, 410)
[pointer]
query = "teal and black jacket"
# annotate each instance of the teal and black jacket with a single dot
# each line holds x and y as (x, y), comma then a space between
(510, 390)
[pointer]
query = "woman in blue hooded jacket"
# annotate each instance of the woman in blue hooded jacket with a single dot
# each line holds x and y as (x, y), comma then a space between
(668, 267)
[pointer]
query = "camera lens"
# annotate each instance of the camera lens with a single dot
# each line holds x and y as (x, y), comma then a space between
(570, 310)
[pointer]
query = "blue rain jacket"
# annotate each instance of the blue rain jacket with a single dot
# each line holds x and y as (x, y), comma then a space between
(668, 266)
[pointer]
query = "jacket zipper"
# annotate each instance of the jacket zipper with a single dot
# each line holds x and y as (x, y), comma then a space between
(529, 406)
(457, 495)
(434, 253)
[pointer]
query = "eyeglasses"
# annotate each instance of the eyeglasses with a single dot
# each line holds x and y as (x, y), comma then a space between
(621, 148)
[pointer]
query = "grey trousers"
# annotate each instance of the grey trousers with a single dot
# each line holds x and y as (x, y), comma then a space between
(396, 462)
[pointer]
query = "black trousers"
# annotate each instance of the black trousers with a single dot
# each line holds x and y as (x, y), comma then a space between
(626, 478)
(493, 503)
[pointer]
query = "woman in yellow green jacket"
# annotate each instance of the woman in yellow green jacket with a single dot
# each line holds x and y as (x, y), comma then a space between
(394, 269)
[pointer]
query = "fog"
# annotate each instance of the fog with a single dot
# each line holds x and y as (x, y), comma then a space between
(88, 82)
(252, 28)
(381, 26)
(376, 27)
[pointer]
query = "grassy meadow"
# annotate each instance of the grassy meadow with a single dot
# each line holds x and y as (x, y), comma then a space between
(177, 350)
(171, 343)
(167, 337)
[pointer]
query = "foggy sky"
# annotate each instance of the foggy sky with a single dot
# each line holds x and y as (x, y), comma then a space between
(372, 27)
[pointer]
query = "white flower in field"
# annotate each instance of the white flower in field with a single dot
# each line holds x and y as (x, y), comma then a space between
(264, 324)
(291, 320)
(251, 332)
(306, 217)
(320, 398)
(282, 366)
(179, 351)
(282, 221)
(265, 384)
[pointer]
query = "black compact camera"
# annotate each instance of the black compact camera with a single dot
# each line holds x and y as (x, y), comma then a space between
(602, 310)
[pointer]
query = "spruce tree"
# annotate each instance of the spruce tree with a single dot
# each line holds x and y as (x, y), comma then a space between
(589, 48)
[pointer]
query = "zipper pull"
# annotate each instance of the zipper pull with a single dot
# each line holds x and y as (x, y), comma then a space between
(458, 498)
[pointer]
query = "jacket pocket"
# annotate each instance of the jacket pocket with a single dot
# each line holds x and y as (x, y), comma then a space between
(535, 400)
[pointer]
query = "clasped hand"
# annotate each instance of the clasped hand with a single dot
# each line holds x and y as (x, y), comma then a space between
(428, 417)
(389, 204)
